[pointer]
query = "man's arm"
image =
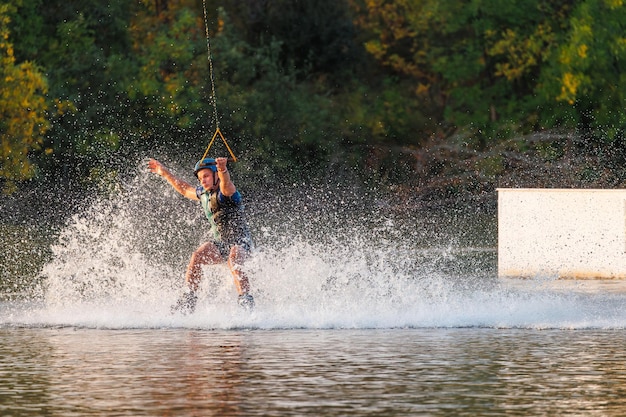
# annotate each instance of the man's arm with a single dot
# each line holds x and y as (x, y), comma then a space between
(179, 185)
(226, 184)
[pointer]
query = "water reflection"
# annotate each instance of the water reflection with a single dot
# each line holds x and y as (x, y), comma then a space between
(87, 372)
(187, 372)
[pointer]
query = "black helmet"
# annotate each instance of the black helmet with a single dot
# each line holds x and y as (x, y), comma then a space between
(206, 163)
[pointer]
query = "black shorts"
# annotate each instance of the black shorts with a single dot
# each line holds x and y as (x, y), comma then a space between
(225, 247)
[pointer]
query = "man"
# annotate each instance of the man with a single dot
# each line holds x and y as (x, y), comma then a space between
(231, 237)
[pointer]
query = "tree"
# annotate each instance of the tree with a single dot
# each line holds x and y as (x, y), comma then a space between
(478, 63)
(318, 37)
(22, 109)
(170, 49)
(588, 76)
(83, 47)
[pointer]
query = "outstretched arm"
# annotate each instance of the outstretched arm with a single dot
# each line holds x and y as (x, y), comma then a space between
(226, 184)
(179, 185)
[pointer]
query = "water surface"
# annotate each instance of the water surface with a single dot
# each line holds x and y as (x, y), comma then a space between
(360, 310)
(392, 372)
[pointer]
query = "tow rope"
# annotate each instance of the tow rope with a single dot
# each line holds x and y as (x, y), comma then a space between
(218, 132)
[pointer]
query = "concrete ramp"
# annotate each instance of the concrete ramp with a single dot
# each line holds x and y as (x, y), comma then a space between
(564, 233)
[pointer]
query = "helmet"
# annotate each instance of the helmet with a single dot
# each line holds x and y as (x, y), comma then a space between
(206, 163)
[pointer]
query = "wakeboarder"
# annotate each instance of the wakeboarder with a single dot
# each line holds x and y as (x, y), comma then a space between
(230, 241)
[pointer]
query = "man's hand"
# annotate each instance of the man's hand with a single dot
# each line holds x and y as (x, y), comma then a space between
(221, 164)
(156, 167)
(179, 185)
(226, 184)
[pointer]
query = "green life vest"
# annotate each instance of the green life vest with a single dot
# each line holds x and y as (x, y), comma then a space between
(208, 201)
(226, 216)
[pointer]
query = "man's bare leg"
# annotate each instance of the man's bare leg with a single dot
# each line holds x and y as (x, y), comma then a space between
(207, 254)
(236, 259)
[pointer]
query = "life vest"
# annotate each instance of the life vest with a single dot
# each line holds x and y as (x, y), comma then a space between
(226, 215)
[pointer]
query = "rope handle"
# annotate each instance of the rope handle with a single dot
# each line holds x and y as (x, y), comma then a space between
(219, 132)
(213, 95)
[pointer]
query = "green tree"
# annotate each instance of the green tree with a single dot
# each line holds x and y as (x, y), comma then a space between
(315, 37)
(83, 49)
(587, 80)
(22, 109)
(263, 108)
(276, 117)
(477, 63)
(169, 46)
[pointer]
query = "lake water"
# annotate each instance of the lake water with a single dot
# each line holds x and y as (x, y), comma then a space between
(357, 372)
(544, 348)
(356, 314)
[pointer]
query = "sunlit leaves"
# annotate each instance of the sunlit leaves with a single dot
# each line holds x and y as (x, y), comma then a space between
(169, 47)
(591, 64)
(22, 110)
(493, 62)
(520, 53)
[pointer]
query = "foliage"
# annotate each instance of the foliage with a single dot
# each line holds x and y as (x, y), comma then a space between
(477, 63)
(590, 66)
(80, 48)
(315, 37)
(22, 109)
(300, 84)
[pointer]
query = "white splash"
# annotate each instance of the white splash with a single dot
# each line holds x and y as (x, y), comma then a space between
(120, 264)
